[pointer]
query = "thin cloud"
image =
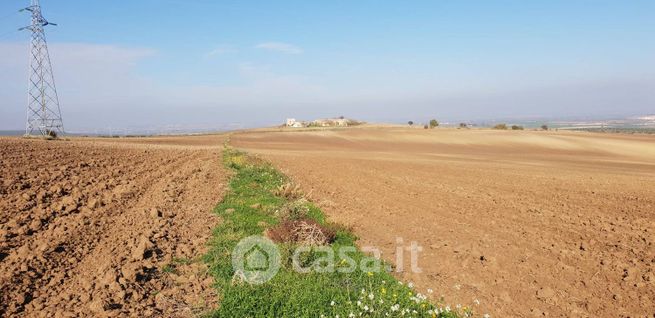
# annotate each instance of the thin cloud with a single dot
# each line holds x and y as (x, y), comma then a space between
(220, 50)
(280, 47)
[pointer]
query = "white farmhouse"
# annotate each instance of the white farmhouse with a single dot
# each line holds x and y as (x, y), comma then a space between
(341, 122)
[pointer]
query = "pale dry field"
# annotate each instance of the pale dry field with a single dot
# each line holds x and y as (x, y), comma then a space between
(87, 226)
(530, 223)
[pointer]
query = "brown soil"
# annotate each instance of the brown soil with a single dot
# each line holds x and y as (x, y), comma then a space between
(530, 223)
(107, 227)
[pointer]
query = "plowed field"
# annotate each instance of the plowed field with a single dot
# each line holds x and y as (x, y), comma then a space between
(529, 223)
(107, 227)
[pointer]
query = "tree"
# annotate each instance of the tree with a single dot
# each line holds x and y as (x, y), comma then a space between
(544, 127)
(410, 123)
(434, 123)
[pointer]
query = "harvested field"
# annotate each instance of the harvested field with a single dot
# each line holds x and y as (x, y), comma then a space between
(530, 223)
(107, 227)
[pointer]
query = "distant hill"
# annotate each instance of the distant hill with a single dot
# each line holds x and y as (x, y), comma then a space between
(12, 132)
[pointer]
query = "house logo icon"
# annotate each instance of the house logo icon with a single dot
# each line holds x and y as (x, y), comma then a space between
(255, 260)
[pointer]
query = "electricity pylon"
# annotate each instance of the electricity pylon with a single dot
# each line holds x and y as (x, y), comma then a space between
(43, 112)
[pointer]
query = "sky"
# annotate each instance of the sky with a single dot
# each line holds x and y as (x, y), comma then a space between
(203, 64)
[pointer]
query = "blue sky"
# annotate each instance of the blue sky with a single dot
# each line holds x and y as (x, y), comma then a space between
(216, 64)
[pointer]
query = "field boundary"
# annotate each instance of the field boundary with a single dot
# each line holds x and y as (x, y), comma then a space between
(251, 207)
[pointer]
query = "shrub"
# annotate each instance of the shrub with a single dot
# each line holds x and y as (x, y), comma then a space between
(425, 127)
(501, 127)
(51, 134)
(544, 127)
(517, 127)
(434, 123)
(463, 125)
(410, 123)
(352, 122)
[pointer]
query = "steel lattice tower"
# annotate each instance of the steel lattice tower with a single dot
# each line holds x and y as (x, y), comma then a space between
(43, 112)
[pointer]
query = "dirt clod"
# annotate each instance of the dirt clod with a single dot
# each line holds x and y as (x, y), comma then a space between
(155, 213)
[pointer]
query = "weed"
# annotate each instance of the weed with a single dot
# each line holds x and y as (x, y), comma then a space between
(180, 261)
(293, 210)
(169, 269)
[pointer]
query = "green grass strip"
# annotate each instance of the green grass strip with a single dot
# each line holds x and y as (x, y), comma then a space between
(246, 210)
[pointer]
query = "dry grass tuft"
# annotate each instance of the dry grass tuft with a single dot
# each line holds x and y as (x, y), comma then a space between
(304, 232)
(289, 190)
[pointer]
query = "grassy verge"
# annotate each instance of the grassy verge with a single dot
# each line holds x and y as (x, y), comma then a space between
(246, 210)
